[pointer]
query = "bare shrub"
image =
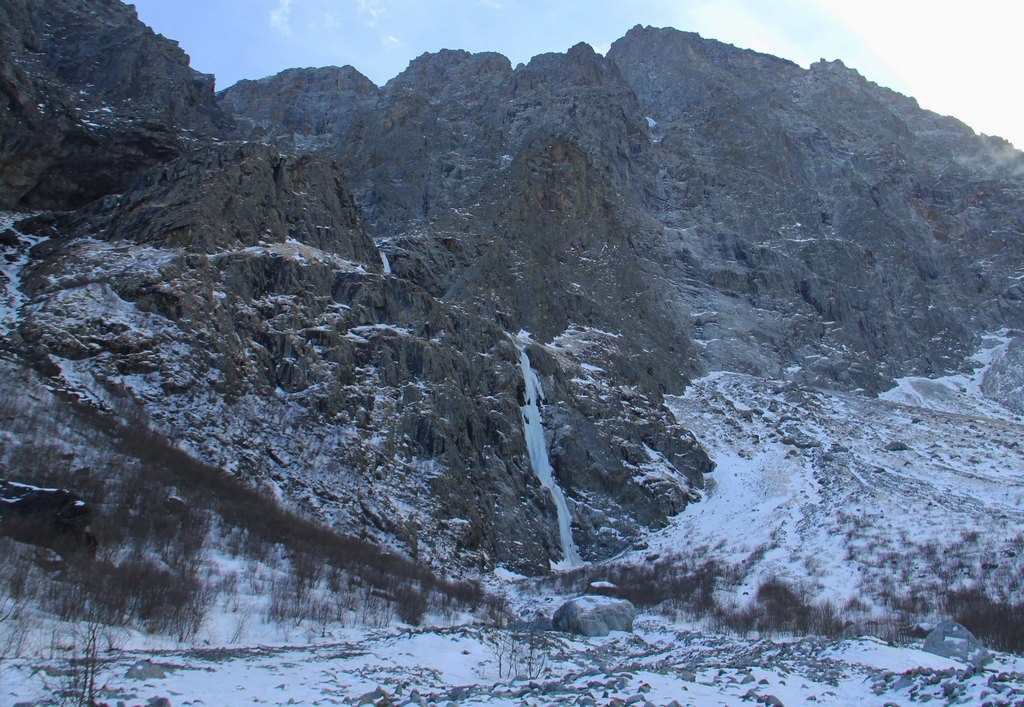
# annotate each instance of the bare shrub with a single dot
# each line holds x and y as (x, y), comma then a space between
(375, 608)
(241, 621)
(780, 607)
(518, 653)
(77, 682)
(16, 566)
(734, 617)
(324, 612)
(288, 600)
(997, 624)
(13, 627)
(410, 603)
(673, 584)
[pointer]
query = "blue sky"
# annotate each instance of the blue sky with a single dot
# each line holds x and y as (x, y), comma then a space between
(955, 58)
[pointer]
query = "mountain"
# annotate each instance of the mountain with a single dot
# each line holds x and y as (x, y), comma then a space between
(92, 98)
(328, 288)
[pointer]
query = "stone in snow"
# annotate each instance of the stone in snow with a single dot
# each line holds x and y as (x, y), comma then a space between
(951, 640)
(591, 615)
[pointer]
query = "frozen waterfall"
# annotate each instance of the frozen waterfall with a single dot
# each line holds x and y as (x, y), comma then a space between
(538, 450)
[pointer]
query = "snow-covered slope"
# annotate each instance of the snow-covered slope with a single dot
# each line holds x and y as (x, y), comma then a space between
(911, 495)
(966, 393)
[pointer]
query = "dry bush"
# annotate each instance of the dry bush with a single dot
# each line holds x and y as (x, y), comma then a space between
(411, 603)
(17, 586)
(313, 549)
(996, 624)
(673, 584)
(780, 607)
(521, 654)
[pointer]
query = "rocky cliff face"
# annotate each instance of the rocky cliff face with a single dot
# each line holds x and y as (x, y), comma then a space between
(236, 295)
(91, 98)
(842, 223)
(783, 219)
(333, 309)
(300, 104)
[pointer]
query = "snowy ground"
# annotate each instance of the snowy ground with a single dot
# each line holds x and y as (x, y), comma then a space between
(960, 393)
(839, 494)
(852, 497)
(467, 665)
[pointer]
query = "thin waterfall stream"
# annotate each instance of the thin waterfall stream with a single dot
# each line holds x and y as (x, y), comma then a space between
(538, 449)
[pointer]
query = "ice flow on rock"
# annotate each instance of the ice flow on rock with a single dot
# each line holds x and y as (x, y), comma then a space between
(538, 450)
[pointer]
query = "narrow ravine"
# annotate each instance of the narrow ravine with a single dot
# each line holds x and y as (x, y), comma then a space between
(538, 449)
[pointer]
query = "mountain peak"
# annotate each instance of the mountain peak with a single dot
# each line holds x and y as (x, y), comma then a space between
(432, 72)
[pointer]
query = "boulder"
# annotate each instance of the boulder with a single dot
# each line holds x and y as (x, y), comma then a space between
(49, 518)
(148, 670)
(951, 640)
(591, 615)
(603, 588)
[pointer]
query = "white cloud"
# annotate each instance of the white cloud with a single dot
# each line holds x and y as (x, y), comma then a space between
(390, 41)
(330, 21)
(371, 10)
(280, 16)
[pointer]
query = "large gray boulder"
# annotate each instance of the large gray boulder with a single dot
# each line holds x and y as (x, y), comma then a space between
(591, 615)
(951, 640)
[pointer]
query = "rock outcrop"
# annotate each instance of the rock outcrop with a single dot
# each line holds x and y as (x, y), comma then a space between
(791, 222)
(92, 98)
(594, 616)
(951, 640)
(56, 519)
(298, 106)
(835, 226)
(235, 294)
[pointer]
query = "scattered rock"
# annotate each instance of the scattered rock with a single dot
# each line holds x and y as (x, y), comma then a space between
(800, 440)
(603, 589)
(148, 670)
(372, 697)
